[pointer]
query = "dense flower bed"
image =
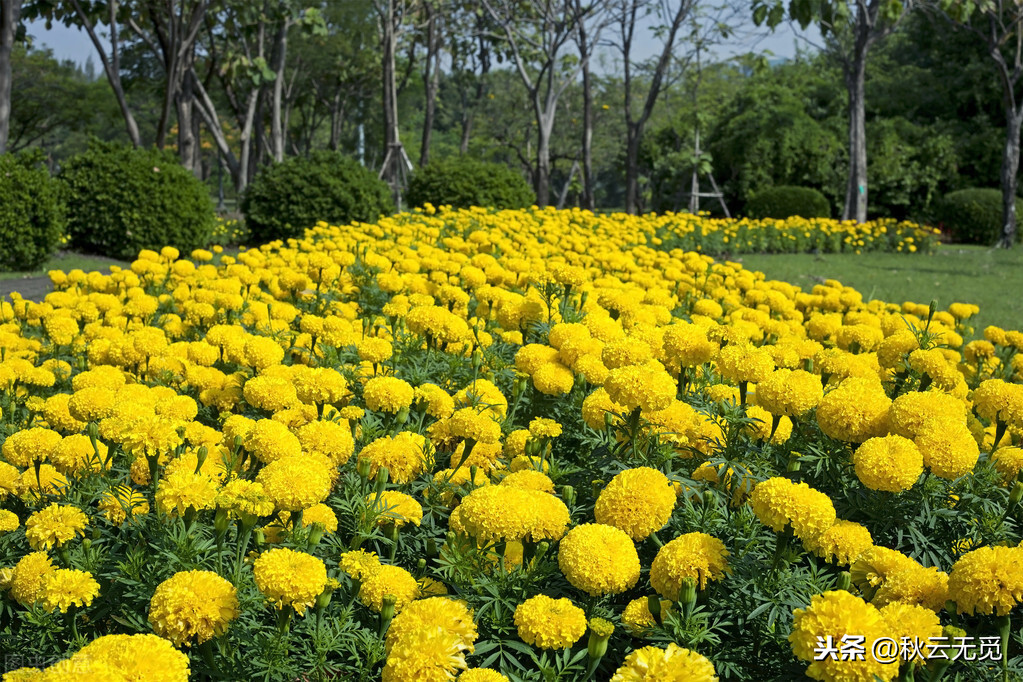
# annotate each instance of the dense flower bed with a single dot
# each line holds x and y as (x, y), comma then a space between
(526, 445)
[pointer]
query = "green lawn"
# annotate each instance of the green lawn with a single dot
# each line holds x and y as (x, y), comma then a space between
(990, 278)
(67, 261)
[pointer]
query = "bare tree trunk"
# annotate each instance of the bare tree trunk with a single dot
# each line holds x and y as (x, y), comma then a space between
(856, 186)
(10, 12)
(188, 142)
(1010, 176)
(389, 80)
(632, 136)
(431, 81)
(111, 65)
(276, 121)
(588, 197)
(542, 179)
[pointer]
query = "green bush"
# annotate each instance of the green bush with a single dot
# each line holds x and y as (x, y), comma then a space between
(462, 183)
(787, 201)
(974, 216)
(122, 200)
(289, 197)
(31, 212)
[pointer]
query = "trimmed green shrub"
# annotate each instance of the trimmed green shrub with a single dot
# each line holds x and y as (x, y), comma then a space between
(31, 212)
(288, 198)
(974, 216)
(122, 200)
(786, 201)
(463, 183)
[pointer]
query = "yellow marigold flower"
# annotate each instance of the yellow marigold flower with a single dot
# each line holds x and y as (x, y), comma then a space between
(10, 480)
(290, 578)
(599, 559)
(638, 619)
(550, 623)
(295, 483)
(183, 490)
(469, 424)
(927, 587)
(855, 411)
(841, 543)
(137, 657)
(875, 566)
(915, 622)
(8, 521)
(508, 513)
(269, 440)
(318, 513)
(671, 663)
(778, 502)
(47, 480)
(27, 577)
(429, 640)
(270, 393)
(698, 556)
(541, 427)
(688, 344)
(404, 455)
(58, 416)
(331, 439)
(789, 392)
(531, 479)
(987, 580)
(859, 338)
(596, 406)
(54, 525)
(483, 394)
(386, 580)
(75, 454)
(740, 362)
(530, 357)
(374, 350)
(624, 352)
(836, 614)
(439, 404)
(949, 449)
(245, 498)
(893, 349)
(428, 587)
(193, 605)
(64, 588)
(262, 352)
(359, 564)
(647, 387)
(120, 501)
(638, 501)
(936, 367)
(395, 507)
(24, 447)
(892, 463)
(910, 412)
(319, 385)
(71, 670)
(387, 394)
(760, 428)
(1008, 461)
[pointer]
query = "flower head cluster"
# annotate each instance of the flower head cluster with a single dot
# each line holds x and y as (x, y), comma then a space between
(599, 559)
(778, 502)
(695, 556)
(638, 501)
(550, 623)
(193, 606)
(290, 579)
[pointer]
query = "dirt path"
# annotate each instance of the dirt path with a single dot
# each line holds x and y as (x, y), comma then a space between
(32, 288)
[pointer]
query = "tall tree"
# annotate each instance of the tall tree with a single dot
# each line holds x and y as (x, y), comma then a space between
(999, 25)
(630, 13)
(10, 15)
(90, 16)
(850, 29)
(393, 17)
(587, 39)
(433, 40)
(537, 33)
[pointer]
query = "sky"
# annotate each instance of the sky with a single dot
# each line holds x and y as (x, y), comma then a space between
(74, 44)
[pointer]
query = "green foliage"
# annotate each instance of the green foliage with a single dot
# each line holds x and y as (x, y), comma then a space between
(462, 183)
(974, 216)
(787, 201)
(31, 212)
(289, 197)
(122, 200)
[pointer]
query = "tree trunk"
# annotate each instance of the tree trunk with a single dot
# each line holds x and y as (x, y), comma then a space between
(543, 160)
(10, 11)
(188, 143)
(431, 82)
(588, 198)
(276, 121)
(856, 187)
(389, 81)
(1010, 176)
(632, 168)
(336, 117)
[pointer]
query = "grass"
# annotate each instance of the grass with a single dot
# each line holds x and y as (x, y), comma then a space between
(989, 278)
(67, 261)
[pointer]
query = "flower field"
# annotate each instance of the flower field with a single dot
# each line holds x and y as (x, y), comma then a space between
(518, 445)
